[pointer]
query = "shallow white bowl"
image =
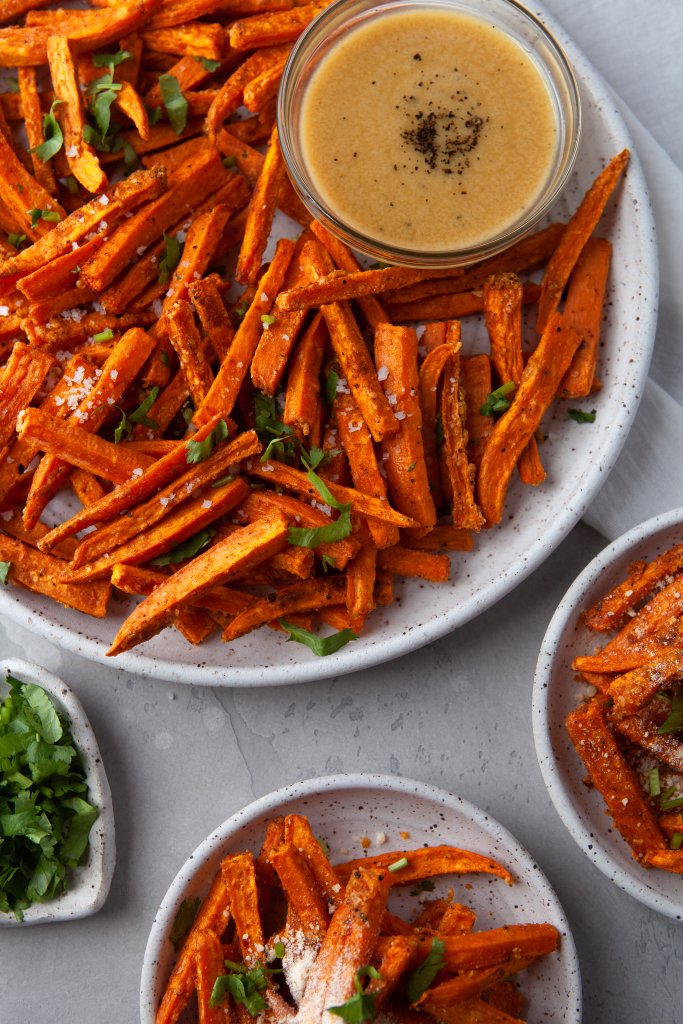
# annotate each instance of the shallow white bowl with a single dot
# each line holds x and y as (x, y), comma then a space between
(556, 693)
(342, 809)
(577, 459)
(88, 885)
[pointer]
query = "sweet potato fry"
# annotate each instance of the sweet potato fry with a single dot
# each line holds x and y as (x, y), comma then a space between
(239, 876)
(301, 890)
(268, 29)
(189, 186)
(260, 212)
(19, 193)
(40, 573)
(353, 356)
(372, 308)
(613, 610)
(248, 546)
(632, 690)
(583, 310)
(298, 832)
(575, 236)
(403, 451)
(307, 595)
(73, 444)
(129, 494)
(20, 381)
(460, 472)
(209, 964)
(357, 442)
(419, 564)
(302, 397)
(450, 306)
(120, 200)
(200, 38)
(425, 863)
(235, 367)
(117, 532)
(82, 158)
(210, 308)
(33, 122)
(511, 433)
(231, 93)
(187, 342)
(340, 286)
(614, 778)
(362, 504)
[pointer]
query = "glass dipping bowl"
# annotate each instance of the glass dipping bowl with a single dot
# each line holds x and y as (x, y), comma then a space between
(343, 16)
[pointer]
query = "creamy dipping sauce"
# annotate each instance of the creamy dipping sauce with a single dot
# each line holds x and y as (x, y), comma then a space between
(428, 130)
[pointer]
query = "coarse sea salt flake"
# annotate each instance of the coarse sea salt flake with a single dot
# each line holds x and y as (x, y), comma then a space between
(137, 472)
(72, 151)
(104, 200)
(383, 373)
(206, 503)
(4, 310)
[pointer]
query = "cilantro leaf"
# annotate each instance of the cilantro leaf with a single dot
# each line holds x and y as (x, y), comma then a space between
(320, 645)
(245, 987)
(422, 977)
(4, 570)
(673, 723)
(105, 335)
(52, 133)
(102, 92)
(581, 416)
(183, 921)
(361, 1006)
(48, 215)
(313, 537)
(16, 240)
(170, 258)
(174, 102)
(139, 415)
(198, 451)
(188, 549)
(208, 64)
(110, 60)
(330, 389)
(496, 401)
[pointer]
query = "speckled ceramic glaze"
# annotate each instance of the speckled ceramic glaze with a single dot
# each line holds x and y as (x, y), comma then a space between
(342, 809)
(88, 885)
(577, 459)
(556, 693)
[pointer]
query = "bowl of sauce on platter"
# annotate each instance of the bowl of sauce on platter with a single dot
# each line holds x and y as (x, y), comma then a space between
(428, 132)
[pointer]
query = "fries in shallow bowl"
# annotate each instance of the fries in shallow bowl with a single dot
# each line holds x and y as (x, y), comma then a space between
(378, 820)
(249, 426)
(607, 719)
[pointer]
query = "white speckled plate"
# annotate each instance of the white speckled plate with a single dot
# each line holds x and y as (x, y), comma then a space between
(88, 885)
(342, 809)
(577, 459)
(556, 693)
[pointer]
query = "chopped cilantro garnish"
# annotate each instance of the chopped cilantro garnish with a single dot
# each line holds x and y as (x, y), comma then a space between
(239, 312)
(106, 335)
(267, 319)
(154, 115)
(422, 977)
(496, 401)
(16, 240)
(398, 864)
(183, 921)
(245, 987)
(49, 215)
(676, 841)
(45, 818)
(110, 60)
(361, 1006)
(188, 549)
(4, 569)
(198, 451)
(52, 133)
(669, 802)
(139, 415)
(331, 381)
(653, 782)
(174, 102)
(674, 720)
(320, 645)
(580, 416)
(223, 480)
(102, 92)
(170, 258)
(279, 950)
(208, 64)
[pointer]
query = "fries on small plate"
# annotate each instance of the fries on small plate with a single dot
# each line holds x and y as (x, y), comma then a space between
(359, 818)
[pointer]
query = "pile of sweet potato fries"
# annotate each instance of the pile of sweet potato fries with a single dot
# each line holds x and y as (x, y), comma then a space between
(253, 441)
(630, 734)
(287, 935)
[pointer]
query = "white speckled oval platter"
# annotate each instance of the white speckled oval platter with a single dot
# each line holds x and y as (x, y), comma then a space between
(89, 884)
(342, 809)
(556, 693)
(577, 458)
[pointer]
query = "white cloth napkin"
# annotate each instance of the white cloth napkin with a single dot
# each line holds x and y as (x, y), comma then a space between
(648, 476)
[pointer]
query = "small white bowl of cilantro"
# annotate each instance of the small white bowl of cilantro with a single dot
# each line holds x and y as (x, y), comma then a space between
(55, 804)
